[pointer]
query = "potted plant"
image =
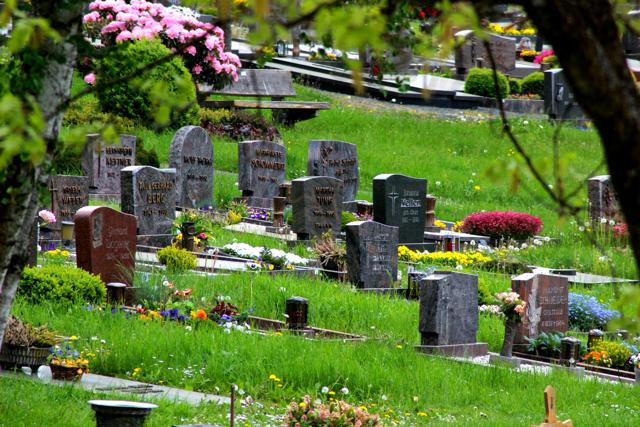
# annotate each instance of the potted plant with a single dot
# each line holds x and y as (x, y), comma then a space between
(25, 345)
(332, 256)
(66, 362)
(512, 307)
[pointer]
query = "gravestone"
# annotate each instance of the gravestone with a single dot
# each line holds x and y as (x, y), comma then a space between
(261, 170)
(372, 254)
(547, 310)
(473, 49)
(150, 195)
(399, 200)
(191, 155)
(68, 194)
(449, 314)
(337, 159)
(317, 206)
(106, 243)
(603, 201)
(102, 162)
(558, 99)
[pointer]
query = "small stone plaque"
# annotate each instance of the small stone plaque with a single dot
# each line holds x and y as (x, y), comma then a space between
(106, 243)
(317, 205)
(337, 159)
(372, 254)
(603, 201)
(399, 200)
(150, 195)
(547, 298)
(68, 194)
(448, 308)
(102, 162)
(191, 155)
(261, 168)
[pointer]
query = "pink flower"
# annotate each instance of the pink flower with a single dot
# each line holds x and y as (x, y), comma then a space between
(47, 216)
(123, 36)
(191, 50)
(90, 79)
(211, 42)
(91, 17)
(197, 69)
(113, 26)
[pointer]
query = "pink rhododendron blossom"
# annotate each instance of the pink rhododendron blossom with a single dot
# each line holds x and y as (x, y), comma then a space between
(90, 79)
(47, 216)
(123, 36)
(197, 69)
(191, 50)
(91, 17)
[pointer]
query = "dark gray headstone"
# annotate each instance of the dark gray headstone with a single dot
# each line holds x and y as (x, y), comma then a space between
(399, 200)
(558, 99)
(603, 201)
(337, 159)
(503, 49)
(630, 40)
(150, 195)
(448, 308)
(261, 168)
(317, 205)
(102, 162)
(547, 310)
(372, 254)
(68, 194)
(191, 155)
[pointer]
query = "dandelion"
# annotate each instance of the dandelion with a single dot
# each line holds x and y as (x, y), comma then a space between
(524, 246)
(438, 183)
(344, 390)
(477, 188)
(459, 267)
(581, 228)
(324, 390)
(398, 346)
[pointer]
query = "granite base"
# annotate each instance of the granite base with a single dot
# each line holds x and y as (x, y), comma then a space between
(476, 349)
(496, 359)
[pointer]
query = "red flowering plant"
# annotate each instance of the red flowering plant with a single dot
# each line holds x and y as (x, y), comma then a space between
(502, 225)
(224, 313)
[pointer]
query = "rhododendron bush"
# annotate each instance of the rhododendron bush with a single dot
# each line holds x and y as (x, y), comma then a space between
(201, 45)
(502, 225)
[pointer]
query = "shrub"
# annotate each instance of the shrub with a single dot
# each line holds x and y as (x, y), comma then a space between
(485, 297)
(238, 125)
(60, 283)
(534, 84)
(515, 86)
(585, 313)
(146, 156)
(545, 344)
(133, 99)
(617, 352)
(177, 260)
(502, 225)
(347, 217)
(480, 82)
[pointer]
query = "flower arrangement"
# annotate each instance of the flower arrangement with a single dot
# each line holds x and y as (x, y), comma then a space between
(545, 56)
(258, 253)
(586, 312)
(200, 44)
(308, 413)
(439, 224)
(47, 217)
(259, 213)
(511, 306)
(502, 225)
(600, 358)
(56, 256)
(528, 55)
(450, 259)
(325, 54)
(511, 30)
(634, 360)
(66, 362)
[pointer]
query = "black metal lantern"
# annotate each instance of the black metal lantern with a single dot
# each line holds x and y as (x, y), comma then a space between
(281, 48)
(569, 351)
(188, 230)
(595, 337)
(297, 309)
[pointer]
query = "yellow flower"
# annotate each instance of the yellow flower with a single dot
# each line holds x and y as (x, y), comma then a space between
(477, 188)
(279, 385)
(179, 237)
(398, 346)
(332, 393)
(302, 405)
(272, 377)
(422, 414)
(270, 266)
(73, 337)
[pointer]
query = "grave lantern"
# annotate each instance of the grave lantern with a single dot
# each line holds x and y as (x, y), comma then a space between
(281, 48)
(297, 309)
(188, 230)
(595, 337)
(569, 351)
(67, 234)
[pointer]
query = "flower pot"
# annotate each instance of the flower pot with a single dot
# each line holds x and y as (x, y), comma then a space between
(18, 356)
(120, 413)
(509, 333)
(67, 373)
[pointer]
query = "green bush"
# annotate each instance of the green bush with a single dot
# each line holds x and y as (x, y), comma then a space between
(533, 84)
(618, 352)
(177, 260)
(60, 283)
(146, 156)
(133, 99)
(480, 82)
(485, 297)
(515, 86)
(347, 217)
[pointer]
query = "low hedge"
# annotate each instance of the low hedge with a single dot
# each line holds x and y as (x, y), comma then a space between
(60, 283)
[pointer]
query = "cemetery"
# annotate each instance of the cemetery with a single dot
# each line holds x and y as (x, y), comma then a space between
(329, 259)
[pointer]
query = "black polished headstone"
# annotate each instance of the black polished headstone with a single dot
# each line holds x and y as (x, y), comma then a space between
(337, 159)
(150, 195)
(372, 254)
(317, 205)
(399, 200)
(559, 103)
(261, 168)
(102, 162)
(191, 155)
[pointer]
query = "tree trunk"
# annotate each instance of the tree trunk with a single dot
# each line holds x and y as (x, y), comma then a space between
(21, 181)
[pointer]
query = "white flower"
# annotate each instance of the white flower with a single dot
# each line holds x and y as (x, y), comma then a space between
(547, 238)
(383, 397)
(282, 289)
(603, 258)
(603, 220)
(537, 242)
(438, 183)
(485, 151)
(550, 186)
(459, 267)
(612, 222)
(473, 174)
(510, 247)
(103, 342)
(188, 327)
(94, 338)
(524, 246)
(581, 228)
(587, 224)
(325, 390)
(473, 243)
(344, 390)
(526, 122)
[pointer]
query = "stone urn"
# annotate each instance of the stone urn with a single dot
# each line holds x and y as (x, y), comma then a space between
(120, 413)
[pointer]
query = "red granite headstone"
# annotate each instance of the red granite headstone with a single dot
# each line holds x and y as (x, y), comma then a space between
(106, 243)
(547, 298)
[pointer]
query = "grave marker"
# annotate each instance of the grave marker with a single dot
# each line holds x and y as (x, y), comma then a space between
(399, 200)
(317, 205)
(191, 155)
(449, 314)
(261, 168)
(473, 49)
(603, 201)
(150, 195)
(102, 162)
(558, 98)
(547, 298)
(68, 194)
(106, 243)
(372, 254)
(337, 159)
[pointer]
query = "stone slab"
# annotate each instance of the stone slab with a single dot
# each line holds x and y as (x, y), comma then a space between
(338, 159)
(261, 168)
(102, 162)
(68, 194)
(191, 155)
(372, 254)
(317, 206)
(400, 201)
